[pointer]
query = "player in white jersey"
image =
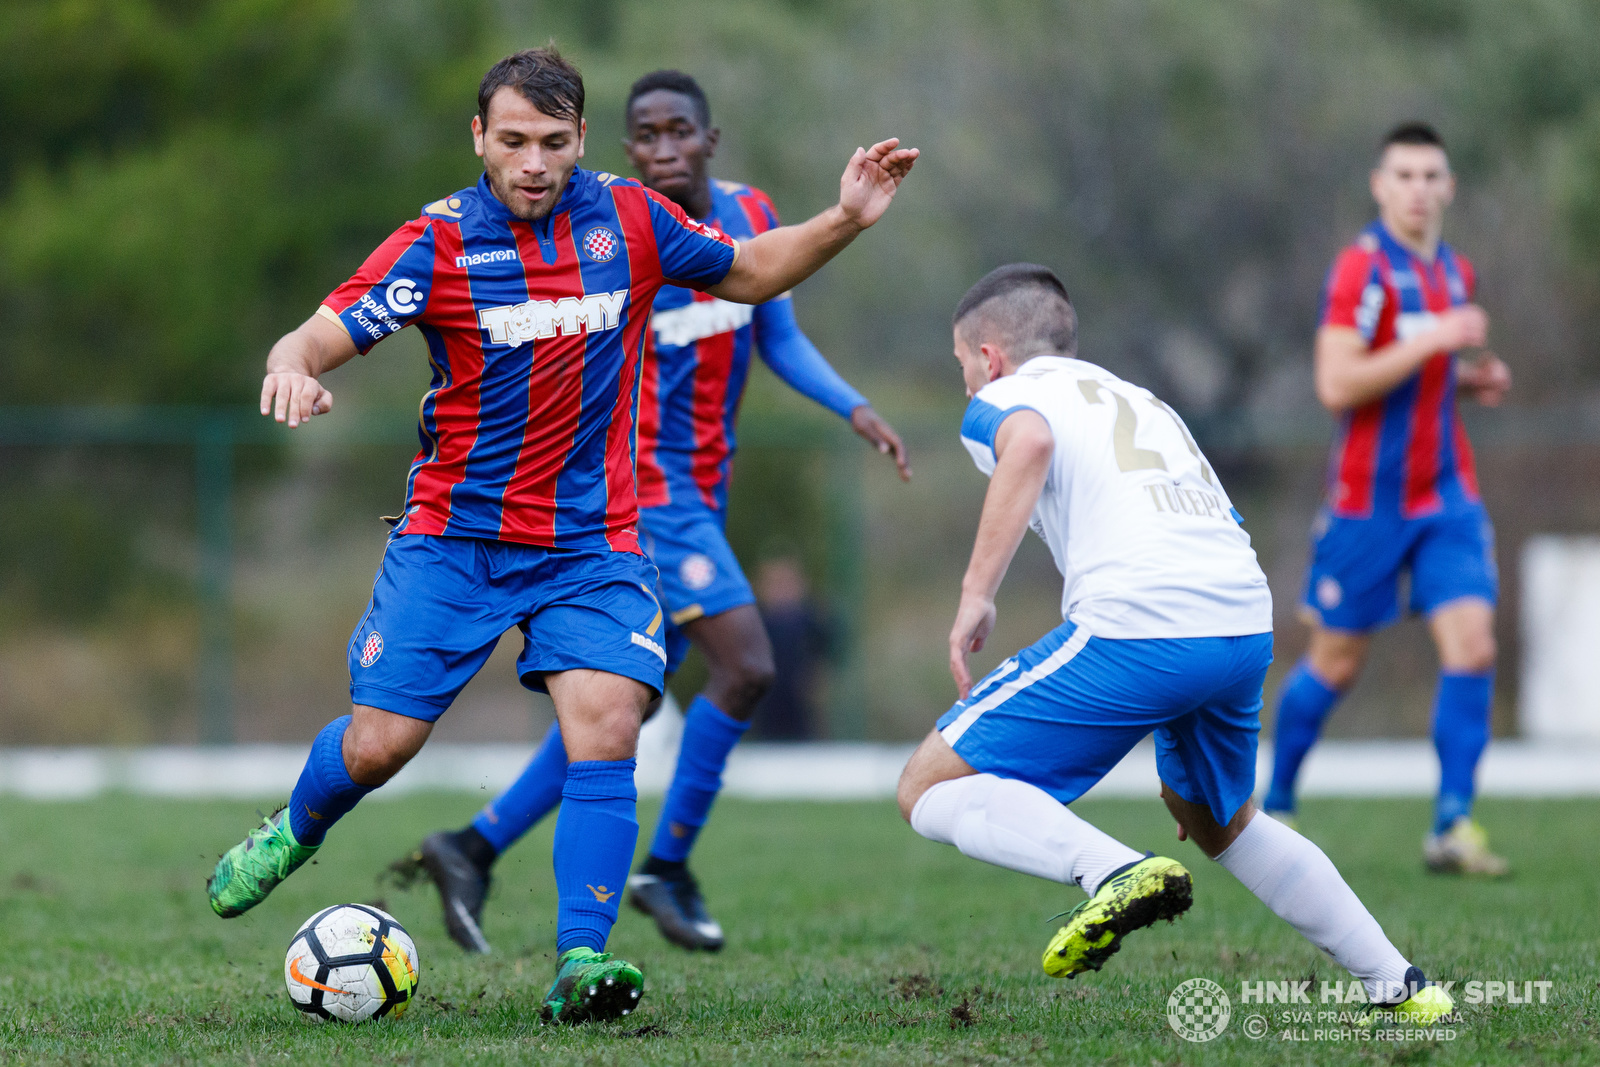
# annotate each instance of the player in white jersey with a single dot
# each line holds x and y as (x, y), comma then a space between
(1168, 629)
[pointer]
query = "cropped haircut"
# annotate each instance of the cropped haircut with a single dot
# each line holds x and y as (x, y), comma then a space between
(674, 81)
(1412, 133)
(542, 76)
(1024, 308)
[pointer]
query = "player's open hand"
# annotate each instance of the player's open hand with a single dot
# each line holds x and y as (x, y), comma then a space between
(292, 397)
(871, 178)
(974, 623)
(878, 433)
(1486, 379)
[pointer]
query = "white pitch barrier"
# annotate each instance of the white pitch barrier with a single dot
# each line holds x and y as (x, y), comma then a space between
(807, 771)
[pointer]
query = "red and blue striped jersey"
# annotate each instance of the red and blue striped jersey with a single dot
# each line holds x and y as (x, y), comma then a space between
(535, 331)
(697, 363)
(1406, 453)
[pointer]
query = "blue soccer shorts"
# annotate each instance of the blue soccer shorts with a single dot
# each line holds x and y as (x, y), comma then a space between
(1358, 566)
(1062, 712)
(440, 604)
(700, 576)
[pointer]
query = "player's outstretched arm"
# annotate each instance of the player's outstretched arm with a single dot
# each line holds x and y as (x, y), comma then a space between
(291, 392)
(1349, 375)
(792, 357)
(1023, 449)
(776, 261)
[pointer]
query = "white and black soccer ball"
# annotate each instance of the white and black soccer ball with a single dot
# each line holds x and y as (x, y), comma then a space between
(351, 962)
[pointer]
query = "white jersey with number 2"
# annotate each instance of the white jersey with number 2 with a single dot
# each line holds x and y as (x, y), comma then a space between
(1145, 537)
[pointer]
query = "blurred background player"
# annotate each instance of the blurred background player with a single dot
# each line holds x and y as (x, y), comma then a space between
(1403, 494)
(694, 373)
(802, 638)
(520, 508)
(1168, 628)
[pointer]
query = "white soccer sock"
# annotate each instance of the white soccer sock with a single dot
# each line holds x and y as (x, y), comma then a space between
(1297, 880)
(1019, 826)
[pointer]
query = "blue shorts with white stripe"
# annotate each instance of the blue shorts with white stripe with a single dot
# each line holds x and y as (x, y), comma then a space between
(1062, 712)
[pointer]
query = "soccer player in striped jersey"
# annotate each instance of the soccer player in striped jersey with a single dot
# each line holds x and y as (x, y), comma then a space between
(532, 289)
(1402, 493)
(698, 350)
(1167, 630)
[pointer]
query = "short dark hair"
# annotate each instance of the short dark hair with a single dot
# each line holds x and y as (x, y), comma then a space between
(542, 76)
(1023, 306)
(674, 81)
(1412, 133)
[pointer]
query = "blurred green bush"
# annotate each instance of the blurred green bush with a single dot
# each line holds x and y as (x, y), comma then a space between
(182, 180)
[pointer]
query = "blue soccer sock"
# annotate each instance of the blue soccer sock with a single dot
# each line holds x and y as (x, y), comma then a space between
(1303, 705)
(709, 734)
(531, 797)
(1460, 734)
(325, 791)
(595, 835)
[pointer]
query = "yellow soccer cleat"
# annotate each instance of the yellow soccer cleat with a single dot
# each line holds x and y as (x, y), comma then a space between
(1152, 889)
(1463, 849)
(1425, 1007)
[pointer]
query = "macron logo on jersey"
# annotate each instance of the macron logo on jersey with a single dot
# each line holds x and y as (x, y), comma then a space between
(498, 255)
(540, 319)
(699, 320)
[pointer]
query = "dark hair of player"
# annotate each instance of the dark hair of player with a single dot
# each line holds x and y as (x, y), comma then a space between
(1024, 307)
(542, 76)
(1412, 133)
(675, 81)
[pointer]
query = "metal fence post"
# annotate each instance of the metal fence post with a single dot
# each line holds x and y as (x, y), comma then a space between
(214, 500)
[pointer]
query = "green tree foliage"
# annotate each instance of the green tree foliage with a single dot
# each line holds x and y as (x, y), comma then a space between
(180, 180)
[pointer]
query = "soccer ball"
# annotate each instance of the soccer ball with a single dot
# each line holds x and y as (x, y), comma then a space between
(351, 962)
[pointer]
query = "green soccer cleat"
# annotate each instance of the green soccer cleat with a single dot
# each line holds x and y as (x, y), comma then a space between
(1424, 1007)
(250, 870)
(592, 986)
(1154, 888)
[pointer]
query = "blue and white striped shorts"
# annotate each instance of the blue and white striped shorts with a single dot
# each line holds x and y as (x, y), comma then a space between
(1063, 711)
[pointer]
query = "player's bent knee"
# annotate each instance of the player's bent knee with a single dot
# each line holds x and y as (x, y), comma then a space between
(378, 743)
(1336, 660)
(1476, 655)
(611, 735)
(739, 687)
(375, 760)
(934, 761)
(1225, 836)
(1201, 827)
(758, 678)
(1339, 674)
(908, 792)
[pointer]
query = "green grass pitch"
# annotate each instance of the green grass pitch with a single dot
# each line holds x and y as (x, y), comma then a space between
(850, 940)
